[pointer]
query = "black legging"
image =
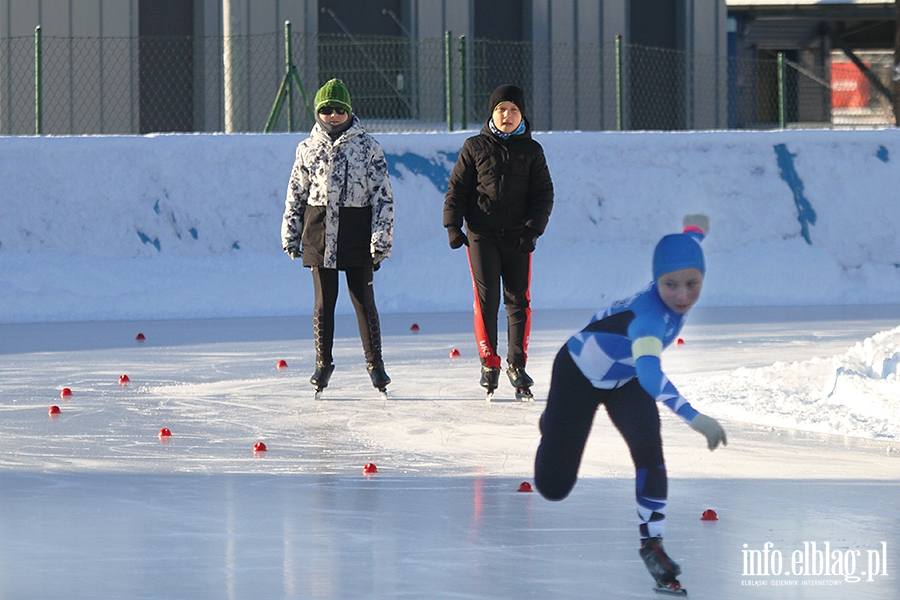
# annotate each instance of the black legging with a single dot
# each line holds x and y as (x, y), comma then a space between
(566, 423)
(362, 295)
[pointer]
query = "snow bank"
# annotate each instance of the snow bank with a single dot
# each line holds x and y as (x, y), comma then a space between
(853, 394)
(183, 226)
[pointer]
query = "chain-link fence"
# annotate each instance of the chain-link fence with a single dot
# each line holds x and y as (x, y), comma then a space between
(153, 84)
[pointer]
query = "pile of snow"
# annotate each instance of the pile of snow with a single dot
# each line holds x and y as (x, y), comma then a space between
(185, 226)
(854, 394)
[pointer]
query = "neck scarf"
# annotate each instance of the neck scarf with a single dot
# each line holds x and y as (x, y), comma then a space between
(505, 136)
(334, 131)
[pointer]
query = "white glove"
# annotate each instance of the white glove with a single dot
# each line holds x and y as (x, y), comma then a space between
(711, 429)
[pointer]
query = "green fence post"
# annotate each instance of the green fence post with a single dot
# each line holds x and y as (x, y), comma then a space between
(782, 113)
(620, 89)
(463, 90)
(286, 91)
(38, 125)
(448, 80)
(309, 107)
(287, 75)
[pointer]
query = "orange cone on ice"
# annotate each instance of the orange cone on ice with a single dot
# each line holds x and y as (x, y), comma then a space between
(54, 410)
(370, 468)
(282, 365)
(525, 487)
(454, 353)
(165, 432)
(124, 380)
(260, 447)
(709, 515)
(65, 393)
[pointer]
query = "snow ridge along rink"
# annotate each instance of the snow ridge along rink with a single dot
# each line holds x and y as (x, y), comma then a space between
(93, 504)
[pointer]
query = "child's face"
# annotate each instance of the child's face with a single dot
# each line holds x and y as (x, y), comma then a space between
(680, 290)
(334, 116)
(506, 117)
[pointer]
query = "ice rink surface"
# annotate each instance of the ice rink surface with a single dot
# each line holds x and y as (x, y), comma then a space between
(93, 504)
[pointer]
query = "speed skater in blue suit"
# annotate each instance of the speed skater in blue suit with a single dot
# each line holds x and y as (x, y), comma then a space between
(615, 361)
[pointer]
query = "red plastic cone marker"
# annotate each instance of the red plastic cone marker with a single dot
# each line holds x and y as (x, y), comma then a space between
(709, 515)
(282, 365)
(124, 380)
(370, 468)
(65, 393)
(54, 410)
(259, 447)
(525, 487)
(454, 353)
(140, 337)
(165, 432)
(679, 342)
(415, 327)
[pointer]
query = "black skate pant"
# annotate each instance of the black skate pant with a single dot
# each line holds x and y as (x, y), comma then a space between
(362, 295)
(566, 423)
(494, 258)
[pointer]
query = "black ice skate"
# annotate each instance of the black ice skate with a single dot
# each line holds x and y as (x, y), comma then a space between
(662, 568)
(522, 382)
(321, 377)
(490, 377)
(380, 379)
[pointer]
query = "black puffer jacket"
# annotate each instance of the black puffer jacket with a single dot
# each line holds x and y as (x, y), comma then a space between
(499, 186)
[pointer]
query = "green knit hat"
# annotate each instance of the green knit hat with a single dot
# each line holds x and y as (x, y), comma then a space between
(333, 94)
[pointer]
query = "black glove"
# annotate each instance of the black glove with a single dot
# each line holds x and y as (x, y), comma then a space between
(376, 260)
(528, 241)
(457, 237)
(294, 253)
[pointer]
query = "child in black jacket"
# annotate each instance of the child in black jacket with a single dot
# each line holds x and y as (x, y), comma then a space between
(501, 190)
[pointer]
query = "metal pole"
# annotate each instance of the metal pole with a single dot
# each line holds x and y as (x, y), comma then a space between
(463, 90)
(782, 113)
(620, 88)
(38, 117)
(448, 80)
(287, 75)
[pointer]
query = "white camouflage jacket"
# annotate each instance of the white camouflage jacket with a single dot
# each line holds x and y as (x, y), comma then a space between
(339, 187)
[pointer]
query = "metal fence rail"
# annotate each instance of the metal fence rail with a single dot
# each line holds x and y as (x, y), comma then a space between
(162, 84)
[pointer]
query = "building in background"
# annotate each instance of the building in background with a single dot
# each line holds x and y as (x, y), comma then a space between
(139, 66)
(840, 53)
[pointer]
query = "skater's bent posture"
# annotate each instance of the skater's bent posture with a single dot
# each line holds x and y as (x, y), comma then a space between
(615, 361)
(339, 216)
(501, 188)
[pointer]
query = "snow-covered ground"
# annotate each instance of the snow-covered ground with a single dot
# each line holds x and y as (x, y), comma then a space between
(176, 237)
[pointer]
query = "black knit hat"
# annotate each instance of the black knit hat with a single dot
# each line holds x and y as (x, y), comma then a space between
(508, 93)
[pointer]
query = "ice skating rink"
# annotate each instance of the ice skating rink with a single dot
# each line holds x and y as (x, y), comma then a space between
(93, 504)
